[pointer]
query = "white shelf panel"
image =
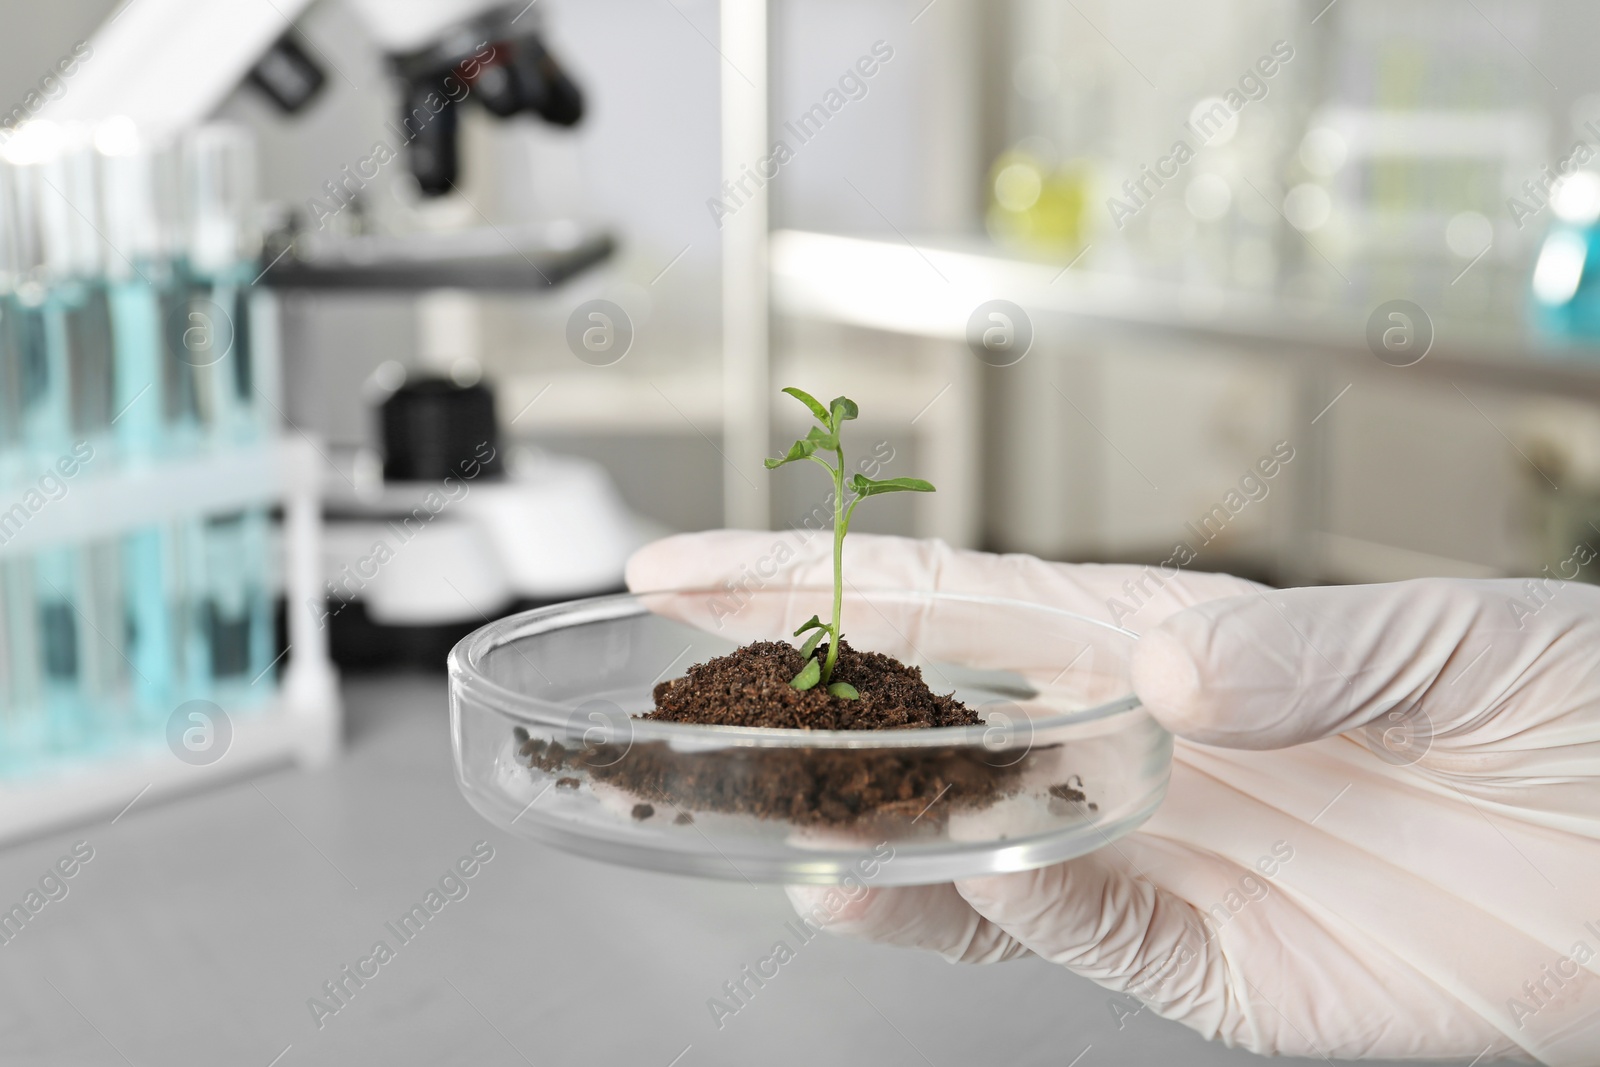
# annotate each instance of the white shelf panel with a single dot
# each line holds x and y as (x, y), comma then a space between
(117, 497)
(929, 290)
(575, 405)
(102, 785)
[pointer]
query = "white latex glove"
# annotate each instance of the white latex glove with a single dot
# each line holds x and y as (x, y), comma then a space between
(1426, 754)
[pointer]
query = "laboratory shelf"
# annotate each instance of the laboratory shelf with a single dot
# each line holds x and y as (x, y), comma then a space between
(929, 290)
(108, 496)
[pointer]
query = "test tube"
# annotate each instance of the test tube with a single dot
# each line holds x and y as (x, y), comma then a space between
(227, 391)
(20, 720)
(222, 249)
(137, 201)
(51, 315)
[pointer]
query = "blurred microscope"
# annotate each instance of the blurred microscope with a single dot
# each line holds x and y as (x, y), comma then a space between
(435, 525)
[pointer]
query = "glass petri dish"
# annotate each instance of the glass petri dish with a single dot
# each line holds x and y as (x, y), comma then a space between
(548, 745)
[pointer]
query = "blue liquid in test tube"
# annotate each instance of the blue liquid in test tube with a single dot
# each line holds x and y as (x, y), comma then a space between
(138, 198)
(21, 719)
(220, 364)
(39, 311)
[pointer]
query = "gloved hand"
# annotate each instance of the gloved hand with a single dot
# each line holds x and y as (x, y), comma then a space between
(1382, 833)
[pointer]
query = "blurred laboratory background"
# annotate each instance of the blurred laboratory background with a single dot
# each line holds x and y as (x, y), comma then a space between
(333, 330)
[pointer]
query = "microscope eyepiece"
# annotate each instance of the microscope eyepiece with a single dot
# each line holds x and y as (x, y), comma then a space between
(506, 69)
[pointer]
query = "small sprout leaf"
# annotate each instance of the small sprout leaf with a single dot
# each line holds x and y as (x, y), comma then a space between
(811, 642)
(865, 486)
(798, 450)
(811, 402)
(843, 408)
(808, 624)
(822, 438)
(809, 675)
(844, 691)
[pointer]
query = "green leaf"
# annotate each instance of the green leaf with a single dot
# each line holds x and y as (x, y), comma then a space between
(844, 691)
(865, 486)
(808, 624)
(798, 450)
(842, 408)
(811, 402)
(811, 642)
(809, 675)
(822, 438)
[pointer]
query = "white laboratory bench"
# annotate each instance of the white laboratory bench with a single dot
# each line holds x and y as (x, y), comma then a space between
(203, 924)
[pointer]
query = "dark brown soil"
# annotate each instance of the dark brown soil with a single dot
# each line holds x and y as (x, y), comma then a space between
(860, 788)
(750, 687)
(885, 791)
(867, 790)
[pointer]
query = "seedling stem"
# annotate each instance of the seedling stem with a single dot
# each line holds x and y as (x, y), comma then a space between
(827, 438)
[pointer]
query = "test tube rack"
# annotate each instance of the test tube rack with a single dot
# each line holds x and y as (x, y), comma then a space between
(302, 724)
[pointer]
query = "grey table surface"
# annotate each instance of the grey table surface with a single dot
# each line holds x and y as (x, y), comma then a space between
(203, 925)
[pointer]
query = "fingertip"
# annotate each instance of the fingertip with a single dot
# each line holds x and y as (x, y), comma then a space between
(982, 893)
(1001, 896)
(1254, 672)
(830, 906)
(1169, 681)
(645, 564)
(681, 559)
(933, 917)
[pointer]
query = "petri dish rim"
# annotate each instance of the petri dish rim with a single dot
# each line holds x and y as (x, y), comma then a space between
(465, 674)
(912, 867)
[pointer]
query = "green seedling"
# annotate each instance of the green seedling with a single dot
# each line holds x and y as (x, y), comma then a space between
(825, 438)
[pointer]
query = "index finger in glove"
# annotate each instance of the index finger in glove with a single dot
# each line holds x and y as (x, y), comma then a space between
(1434, 669)
(933, 917)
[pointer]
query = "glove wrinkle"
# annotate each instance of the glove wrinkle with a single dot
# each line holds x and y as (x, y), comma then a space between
(1353, 856)
(1114, 928)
